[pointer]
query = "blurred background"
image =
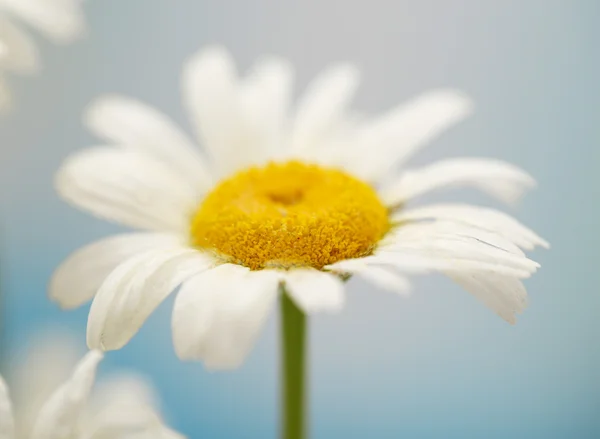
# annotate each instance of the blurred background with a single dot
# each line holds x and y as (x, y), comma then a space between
(436, 365)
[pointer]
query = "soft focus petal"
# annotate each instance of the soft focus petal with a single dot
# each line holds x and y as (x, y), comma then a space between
(61, 20)
(504, 295)
(480, 217)
(134, 289)
(323, 107)
(7, 422)
(60, 416)
(498, 178)
(78, 278)
(313, 290)
(382, 276)
(394, 137)
(135, 125)
(128, 188)
(210, 92)
(18, 51)
(218, 314)
(124, 407)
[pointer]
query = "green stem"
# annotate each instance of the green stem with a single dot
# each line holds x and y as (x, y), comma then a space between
(293, 329)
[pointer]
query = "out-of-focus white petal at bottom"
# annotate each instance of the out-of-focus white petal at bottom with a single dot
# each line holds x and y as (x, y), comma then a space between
(7, 422)
(18, 51)
(61, 20)
(382, 276)
(78, 278)
(500, 179)
(504, 295)
(59, 417)
(125, 407)
(218, 314)
(314, 291)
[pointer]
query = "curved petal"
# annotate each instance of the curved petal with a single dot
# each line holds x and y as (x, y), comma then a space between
(60, 415)
(504, 295)
(18, 51)
(394, 137)
(381, 276)
(448, 246)
(480, 217)
(7, 421)
(498, 178)
(135, 125)
(323, 107)
(133, 291)
(314, 291)
(128, 188)
(218, 314)
(61, 20)
(78, 278)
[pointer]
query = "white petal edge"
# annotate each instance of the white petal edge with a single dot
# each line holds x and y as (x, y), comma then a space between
(484, 218)
(504, 295)
(128, 188)
(7, 421)
(381, 276)
(133, 291)
(211, 94)
(500, 179)
(61, 20)
(393, 138)
(60, 415)
(218, 314)
(314, 291)
(135, 125)
(323, 107)
(19, 52)
(78, 278)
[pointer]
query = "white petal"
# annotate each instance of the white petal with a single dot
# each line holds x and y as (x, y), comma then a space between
(483, 218)
(61, 20)
(78, 278)
(124, 407)
(323, 107)
(59, 417)
(457, 243)
(19, 52)
(498, 178)
(218, 314)
(134, 289)
(127, 187)
(264, 104)
(210, 92)
(506, 296)
(394, 137)
(7, 422)
(135, 125)
(314, 291)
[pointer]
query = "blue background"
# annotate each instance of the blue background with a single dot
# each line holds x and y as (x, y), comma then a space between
(437, 365)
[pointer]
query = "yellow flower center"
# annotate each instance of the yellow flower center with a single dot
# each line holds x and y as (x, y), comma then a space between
(290, 214)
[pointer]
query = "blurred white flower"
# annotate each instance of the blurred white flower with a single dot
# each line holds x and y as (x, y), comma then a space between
(53, 400)
(297, 201)
(59, 20)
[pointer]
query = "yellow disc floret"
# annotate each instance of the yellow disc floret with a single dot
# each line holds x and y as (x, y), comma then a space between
(290, 214)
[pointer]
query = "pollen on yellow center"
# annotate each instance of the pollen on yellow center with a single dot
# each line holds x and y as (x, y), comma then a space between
(290, 214)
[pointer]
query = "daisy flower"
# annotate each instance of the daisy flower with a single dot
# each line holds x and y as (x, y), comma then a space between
(277, 201)
(59, 20)
(52, 401)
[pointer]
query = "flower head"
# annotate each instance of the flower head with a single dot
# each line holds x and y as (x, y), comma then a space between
(299, 200)
(55, 401)
(59, 20)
